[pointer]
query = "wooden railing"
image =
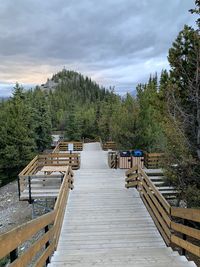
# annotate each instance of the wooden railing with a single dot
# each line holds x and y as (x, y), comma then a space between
(109, 145)
(60, 159)
(176, 225)
(54, 159)
(112, 160)
(33, 173)
(153, 160)
(91, 140)
(47, 227)
(63, 146)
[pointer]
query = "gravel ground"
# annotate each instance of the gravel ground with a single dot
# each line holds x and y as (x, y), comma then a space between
(12, 211)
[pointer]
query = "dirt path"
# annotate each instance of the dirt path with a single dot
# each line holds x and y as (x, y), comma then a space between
(12, 211)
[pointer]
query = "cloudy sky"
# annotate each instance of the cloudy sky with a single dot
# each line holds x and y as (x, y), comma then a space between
(116, 42)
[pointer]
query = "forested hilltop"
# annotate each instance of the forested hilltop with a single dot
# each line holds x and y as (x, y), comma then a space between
(163, 117)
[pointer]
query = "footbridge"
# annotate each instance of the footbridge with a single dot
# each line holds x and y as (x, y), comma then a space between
(102, 223)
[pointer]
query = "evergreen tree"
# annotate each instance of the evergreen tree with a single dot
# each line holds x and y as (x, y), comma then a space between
(150, 134)
(17, 145)
(41, 119)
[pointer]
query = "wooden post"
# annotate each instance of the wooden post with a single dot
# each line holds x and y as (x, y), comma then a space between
(13, 255)
(18, 182)
(70, 159)
(29, 190)
(62, 176)
(136, 187)
(116, 161)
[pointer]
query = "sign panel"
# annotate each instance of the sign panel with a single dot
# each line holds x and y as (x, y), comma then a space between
(70, 147)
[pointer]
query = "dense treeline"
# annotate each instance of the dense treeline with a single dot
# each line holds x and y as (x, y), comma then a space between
(25, 129)
(163, 117)
(77, 106)
(169, 114)
(80, 108)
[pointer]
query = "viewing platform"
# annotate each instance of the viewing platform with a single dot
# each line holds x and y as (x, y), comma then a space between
(107, 220)
(43, 176)
(108, 225)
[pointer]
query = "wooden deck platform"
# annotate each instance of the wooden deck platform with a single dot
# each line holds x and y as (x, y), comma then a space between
(43, 176)
(107, 225)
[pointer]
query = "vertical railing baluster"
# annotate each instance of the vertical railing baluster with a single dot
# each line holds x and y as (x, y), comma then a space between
(29, 190)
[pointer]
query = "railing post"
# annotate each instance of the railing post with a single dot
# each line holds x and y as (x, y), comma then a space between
(116, 161)
(136, 187)
(19, 189)
(29, 190)
(70, 158)
(46, 229)
(62, 176)
(13, 255)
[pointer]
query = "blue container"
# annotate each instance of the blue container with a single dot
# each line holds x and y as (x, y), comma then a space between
(137, 153)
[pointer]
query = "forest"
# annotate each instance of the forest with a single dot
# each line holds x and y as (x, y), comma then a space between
(164, 116)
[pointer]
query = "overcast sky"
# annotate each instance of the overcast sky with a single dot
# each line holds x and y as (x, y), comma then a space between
(115, 42)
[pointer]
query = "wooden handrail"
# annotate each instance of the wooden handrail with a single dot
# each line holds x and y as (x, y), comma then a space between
(90, 140)
(51, 222)
(173, 223)
(109, 145)
(153, 160)
(53, 159)
(189, 214)
(63, 146)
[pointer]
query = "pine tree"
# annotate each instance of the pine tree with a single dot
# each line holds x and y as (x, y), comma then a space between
(184, 58)
(41, 119)
(17, 145)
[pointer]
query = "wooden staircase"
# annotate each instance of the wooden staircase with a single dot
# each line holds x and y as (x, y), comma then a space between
(107, 225)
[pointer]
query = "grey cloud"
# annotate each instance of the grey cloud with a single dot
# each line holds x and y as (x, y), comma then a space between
(104, 39)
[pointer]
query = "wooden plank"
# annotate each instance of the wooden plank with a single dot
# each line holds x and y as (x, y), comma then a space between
(157, 204)
(131, 184)
(189, 231)
(28, 166)
(60, 206)
(27, 230)
(23, 233)
(58, 155)
(60, 216)
(130, 171)
(41, 262)
(156, 213)
(45, 176)
(165, 237)
(63, 187)
(109, 145)
(154, 154)
(157, 193)
(55, 169)
(194, 249)
(125, 162)
(132, 177)
(29, 254)
(138, 161)
(184, 213)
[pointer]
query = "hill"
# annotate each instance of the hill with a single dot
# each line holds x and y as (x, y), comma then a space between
(75, 86)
